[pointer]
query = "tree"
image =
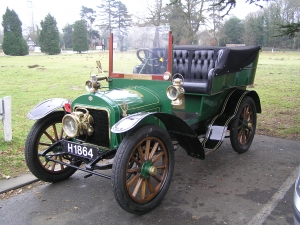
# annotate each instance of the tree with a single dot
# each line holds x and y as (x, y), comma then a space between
(289, 29)
(113, 16)
(291, 25)
(185, 17)
(157, 14)
(122, 19)
(67, 36)
(79, 37)
(227, 5)
(13, 42)
(254, 29)
(215, 21)
(232, 31)
(89, 16)
(49, 36)
(106, 10)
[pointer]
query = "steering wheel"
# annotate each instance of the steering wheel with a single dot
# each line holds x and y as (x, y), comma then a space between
(146, 59)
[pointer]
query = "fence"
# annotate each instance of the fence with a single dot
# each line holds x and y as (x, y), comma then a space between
(5, 116)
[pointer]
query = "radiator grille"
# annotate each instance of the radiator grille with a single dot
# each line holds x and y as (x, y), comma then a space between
(100, 135)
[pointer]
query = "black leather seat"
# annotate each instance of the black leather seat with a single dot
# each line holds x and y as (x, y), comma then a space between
(196, 66)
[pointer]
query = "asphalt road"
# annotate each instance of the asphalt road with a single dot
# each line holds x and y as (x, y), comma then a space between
(226, 188)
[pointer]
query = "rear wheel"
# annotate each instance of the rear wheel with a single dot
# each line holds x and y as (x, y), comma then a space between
(44, 133)
(242, 129)
(143, 169)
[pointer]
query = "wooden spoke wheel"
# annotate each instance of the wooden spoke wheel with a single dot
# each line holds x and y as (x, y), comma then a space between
(243, 127)
(143, 169)
(44, 133)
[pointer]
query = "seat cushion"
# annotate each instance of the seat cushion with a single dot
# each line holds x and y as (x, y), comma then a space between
(195, 85)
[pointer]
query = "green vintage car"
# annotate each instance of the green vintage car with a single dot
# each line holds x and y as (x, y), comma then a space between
(157, 98)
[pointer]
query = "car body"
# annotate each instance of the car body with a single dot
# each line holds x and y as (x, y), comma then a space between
(186, 95)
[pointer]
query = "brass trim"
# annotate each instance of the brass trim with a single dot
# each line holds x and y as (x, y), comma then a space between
(108, 115)
(138, 76)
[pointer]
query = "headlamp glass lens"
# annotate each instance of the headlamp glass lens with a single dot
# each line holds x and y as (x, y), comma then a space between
(70, 126)
(172, 93)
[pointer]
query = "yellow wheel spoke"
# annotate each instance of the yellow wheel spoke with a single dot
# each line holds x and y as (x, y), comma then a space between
(140, 150)
(61, 133)
(153, 150)
(137, 187)
(157, 157)
(160, 167)
(55, 131)
(143, 191)
(45, 163)
(45, 144)
(53, 164)
(49, 136)
(147, 150)
(156, 178)
(133, 180)
(136, 161)
(61, 165)
(133, 170)
(150, 185)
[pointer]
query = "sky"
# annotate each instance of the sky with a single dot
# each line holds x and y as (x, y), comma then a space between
(67, 11)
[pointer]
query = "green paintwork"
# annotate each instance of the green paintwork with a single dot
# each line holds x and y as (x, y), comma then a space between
(150, 87)
(201, 107)
(137, 98)
(239, 79)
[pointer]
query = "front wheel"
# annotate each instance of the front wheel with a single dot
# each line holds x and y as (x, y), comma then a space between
(242, 129)
(143, 169)
(44, 133)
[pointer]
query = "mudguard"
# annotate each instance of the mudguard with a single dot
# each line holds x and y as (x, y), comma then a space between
(46, 107)
(186, 137)
(220, 123)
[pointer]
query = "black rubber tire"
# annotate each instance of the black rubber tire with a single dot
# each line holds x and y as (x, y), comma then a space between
(242, 128)
(121, 177)
(32, 148)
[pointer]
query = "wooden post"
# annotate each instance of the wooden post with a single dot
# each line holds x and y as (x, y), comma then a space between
(5, 116)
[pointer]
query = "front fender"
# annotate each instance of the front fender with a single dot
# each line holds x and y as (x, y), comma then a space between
(186, 137)
(46, 107)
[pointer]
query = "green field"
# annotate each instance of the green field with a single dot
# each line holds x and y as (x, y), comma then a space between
(34, 78)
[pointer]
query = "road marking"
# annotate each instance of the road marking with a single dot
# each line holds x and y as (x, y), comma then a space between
(261, 216)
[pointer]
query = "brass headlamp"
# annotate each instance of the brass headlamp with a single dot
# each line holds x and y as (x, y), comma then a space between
(78, 123)
(93, 84)
(175, 92)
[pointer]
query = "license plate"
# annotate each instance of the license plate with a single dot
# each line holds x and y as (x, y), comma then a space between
(80, 150)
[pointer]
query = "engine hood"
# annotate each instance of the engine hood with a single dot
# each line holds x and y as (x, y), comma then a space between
(128, 100)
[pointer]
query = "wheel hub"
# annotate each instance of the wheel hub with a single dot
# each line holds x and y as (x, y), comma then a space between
(247, 124)
(148, 169)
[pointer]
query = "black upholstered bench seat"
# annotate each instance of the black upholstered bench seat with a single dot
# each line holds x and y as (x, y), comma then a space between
(196, 66)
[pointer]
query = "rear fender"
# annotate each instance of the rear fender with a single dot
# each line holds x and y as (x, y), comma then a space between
(46, 107)
(186, 137)
(255, 97)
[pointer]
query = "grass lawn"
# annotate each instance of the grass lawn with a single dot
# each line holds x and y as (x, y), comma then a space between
(34, 78)
(277, 83)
